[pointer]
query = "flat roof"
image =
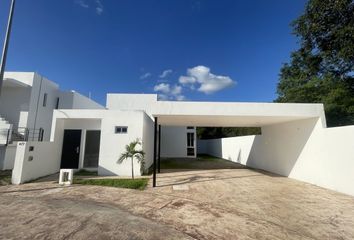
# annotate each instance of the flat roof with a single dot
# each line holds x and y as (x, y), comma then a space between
(233, 114)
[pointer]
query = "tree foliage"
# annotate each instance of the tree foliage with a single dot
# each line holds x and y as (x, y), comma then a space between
(322, 69)
(221, 132)
(131, 152)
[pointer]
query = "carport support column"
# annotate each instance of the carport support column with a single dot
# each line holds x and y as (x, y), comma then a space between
(155, 153)
(159, 152)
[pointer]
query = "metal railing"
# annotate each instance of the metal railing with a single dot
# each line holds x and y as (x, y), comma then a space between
(22, 134)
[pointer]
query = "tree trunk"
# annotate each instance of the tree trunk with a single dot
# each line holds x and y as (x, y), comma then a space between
(132, 167)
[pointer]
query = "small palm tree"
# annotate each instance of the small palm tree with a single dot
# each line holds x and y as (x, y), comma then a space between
(131, 152)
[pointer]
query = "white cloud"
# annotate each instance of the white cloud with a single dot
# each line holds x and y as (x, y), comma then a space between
(165, 73)
(167, 92)
(99, 7)
(85, 4)
(162, 87)
(82, 3)
(145, 75)
(201, 78)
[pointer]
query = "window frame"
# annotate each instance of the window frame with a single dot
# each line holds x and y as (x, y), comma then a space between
(45, 98)
(121, 129)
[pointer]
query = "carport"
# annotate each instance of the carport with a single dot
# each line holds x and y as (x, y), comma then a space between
(285, 128)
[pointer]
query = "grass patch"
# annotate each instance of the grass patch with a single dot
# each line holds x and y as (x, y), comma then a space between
(202, 161)
(206, 157)
(5, 178)
(83, 172)
(139, 183)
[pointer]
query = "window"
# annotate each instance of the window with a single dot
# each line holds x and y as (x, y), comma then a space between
(45, 100)
(57, 104)
(190, 144)
(190, 139)
(190, 127)
(190, 151)
(121, 129)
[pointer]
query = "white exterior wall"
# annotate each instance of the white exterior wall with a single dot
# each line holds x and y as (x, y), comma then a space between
(7, 156)
(15, 98)
(235, 149)
(143, 102)
(148, 141)
(280, 145)
(173, 138)
(174, 141)
(74, 100)
(46, 159)
(302, 150)
(113, 145)
(327, 160)
(15, 110)
(83, 125)
(41, 116)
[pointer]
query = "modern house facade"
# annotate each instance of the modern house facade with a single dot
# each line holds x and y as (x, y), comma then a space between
(27, 102)
(294, 141)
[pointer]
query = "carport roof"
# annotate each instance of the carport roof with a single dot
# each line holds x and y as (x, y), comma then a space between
(231, 114)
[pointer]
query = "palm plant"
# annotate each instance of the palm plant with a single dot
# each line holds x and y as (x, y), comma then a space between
(131, 152)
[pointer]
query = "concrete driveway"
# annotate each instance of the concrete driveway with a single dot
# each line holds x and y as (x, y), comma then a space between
(207, 204)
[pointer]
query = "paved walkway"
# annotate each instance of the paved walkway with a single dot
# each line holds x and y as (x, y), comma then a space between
(207, 204)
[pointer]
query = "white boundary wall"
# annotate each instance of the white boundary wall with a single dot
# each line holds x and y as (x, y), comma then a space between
(235, 149)
(301, 150)
(45, 161)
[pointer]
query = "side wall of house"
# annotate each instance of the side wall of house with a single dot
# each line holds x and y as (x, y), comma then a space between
(14, 105)
(148, 141)
(113, 144)
(40, 113)
(83, 102)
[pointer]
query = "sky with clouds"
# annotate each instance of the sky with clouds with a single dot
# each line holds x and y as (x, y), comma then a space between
(183, 50)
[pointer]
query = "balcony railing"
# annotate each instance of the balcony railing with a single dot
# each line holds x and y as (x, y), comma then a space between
(21, 134)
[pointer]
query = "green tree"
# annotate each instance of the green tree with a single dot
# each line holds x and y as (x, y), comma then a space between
(131, 152)
(221, 132)
(322, 69)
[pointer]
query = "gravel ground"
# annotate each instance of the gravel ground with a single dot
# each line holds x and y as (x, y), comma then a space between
(208, 204)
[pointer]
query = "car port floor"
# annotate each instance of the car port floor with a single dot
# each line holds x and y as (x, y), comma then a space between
(230, 203)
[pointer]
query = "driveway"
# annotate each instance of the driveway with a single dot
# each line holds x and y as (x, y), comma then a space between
(235, 203)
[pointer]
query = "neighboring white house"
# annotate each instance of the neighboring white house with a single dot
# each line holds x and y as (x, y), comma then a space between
(294, 141)
(27, 102)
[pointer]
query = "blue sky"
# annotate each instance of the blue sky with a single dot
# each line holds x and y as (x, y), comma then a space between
(200, 50)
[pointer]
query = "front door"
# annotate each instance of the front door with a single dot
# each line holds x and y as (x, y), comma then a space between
(71, 149)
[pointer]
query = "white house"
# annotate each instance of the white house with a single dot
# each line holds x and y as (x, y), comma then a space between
(27, 102)
(294, 141)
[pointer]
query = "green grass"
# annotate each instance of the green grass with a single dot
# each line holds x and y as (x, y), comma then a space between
(5, 178)
(202, 161)
(83, 172)
(139, 183)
